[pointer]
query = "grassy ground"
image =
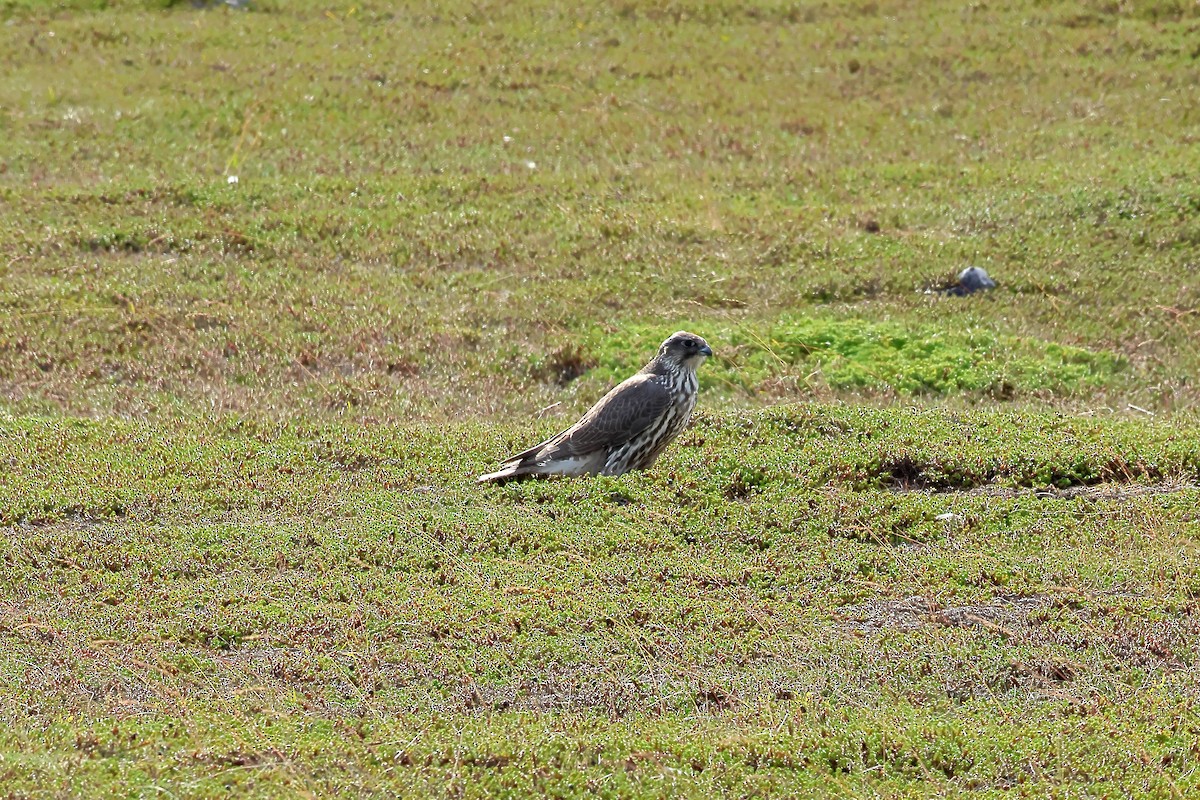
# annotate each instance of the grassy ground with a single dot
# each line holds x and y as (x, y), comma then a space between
(914, 545)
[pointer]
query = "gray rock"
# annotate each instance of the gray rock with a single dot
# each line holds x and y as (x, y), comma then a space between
(970, 280)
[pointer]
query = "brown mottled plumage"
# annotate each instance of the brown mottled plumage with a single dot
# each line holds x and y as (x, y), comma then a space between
(628, 428)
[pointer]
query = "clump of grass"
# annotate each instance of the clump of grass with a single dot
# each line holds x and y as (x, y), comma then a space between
(794, 447)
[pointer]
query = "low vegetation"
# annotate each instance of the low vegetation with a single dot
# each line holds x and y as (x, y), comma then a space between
(278, 281)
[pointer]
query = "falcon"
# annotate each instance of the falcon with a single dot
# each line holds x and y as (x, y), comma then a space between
(630, 426)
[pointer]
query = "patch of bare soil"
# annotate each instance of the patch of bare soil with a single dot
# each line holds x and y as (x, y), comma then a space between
(1118, 491)
(1073, 622)
(1097, 491)
(1060, 645)
(910, 613)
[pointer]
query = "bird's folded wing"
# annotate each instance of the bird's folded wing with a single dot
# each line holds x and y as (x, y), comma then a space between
(620, 415)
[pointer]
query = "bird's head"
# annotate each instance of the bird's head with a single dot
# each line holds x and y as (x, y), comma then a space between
(684, 349)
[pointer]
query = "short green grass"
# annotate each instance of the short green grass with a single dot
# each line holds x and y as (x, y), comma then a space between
(914, 545)
(822, 355)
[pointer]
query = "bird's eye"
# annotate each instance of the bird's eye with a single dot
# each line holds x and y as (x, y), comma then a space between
(689, 343)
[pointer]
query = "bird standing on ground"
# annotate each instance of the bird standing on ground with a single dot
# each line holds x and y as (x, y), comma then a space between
(628, 428)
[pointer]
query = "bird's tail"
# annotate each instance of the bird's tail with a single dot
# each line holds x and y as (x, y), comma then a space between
(512, 471)
(543, 461)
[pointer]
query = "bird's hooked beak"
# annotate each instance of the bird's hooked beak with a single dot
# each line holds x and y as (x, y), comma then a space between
(706, 351)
